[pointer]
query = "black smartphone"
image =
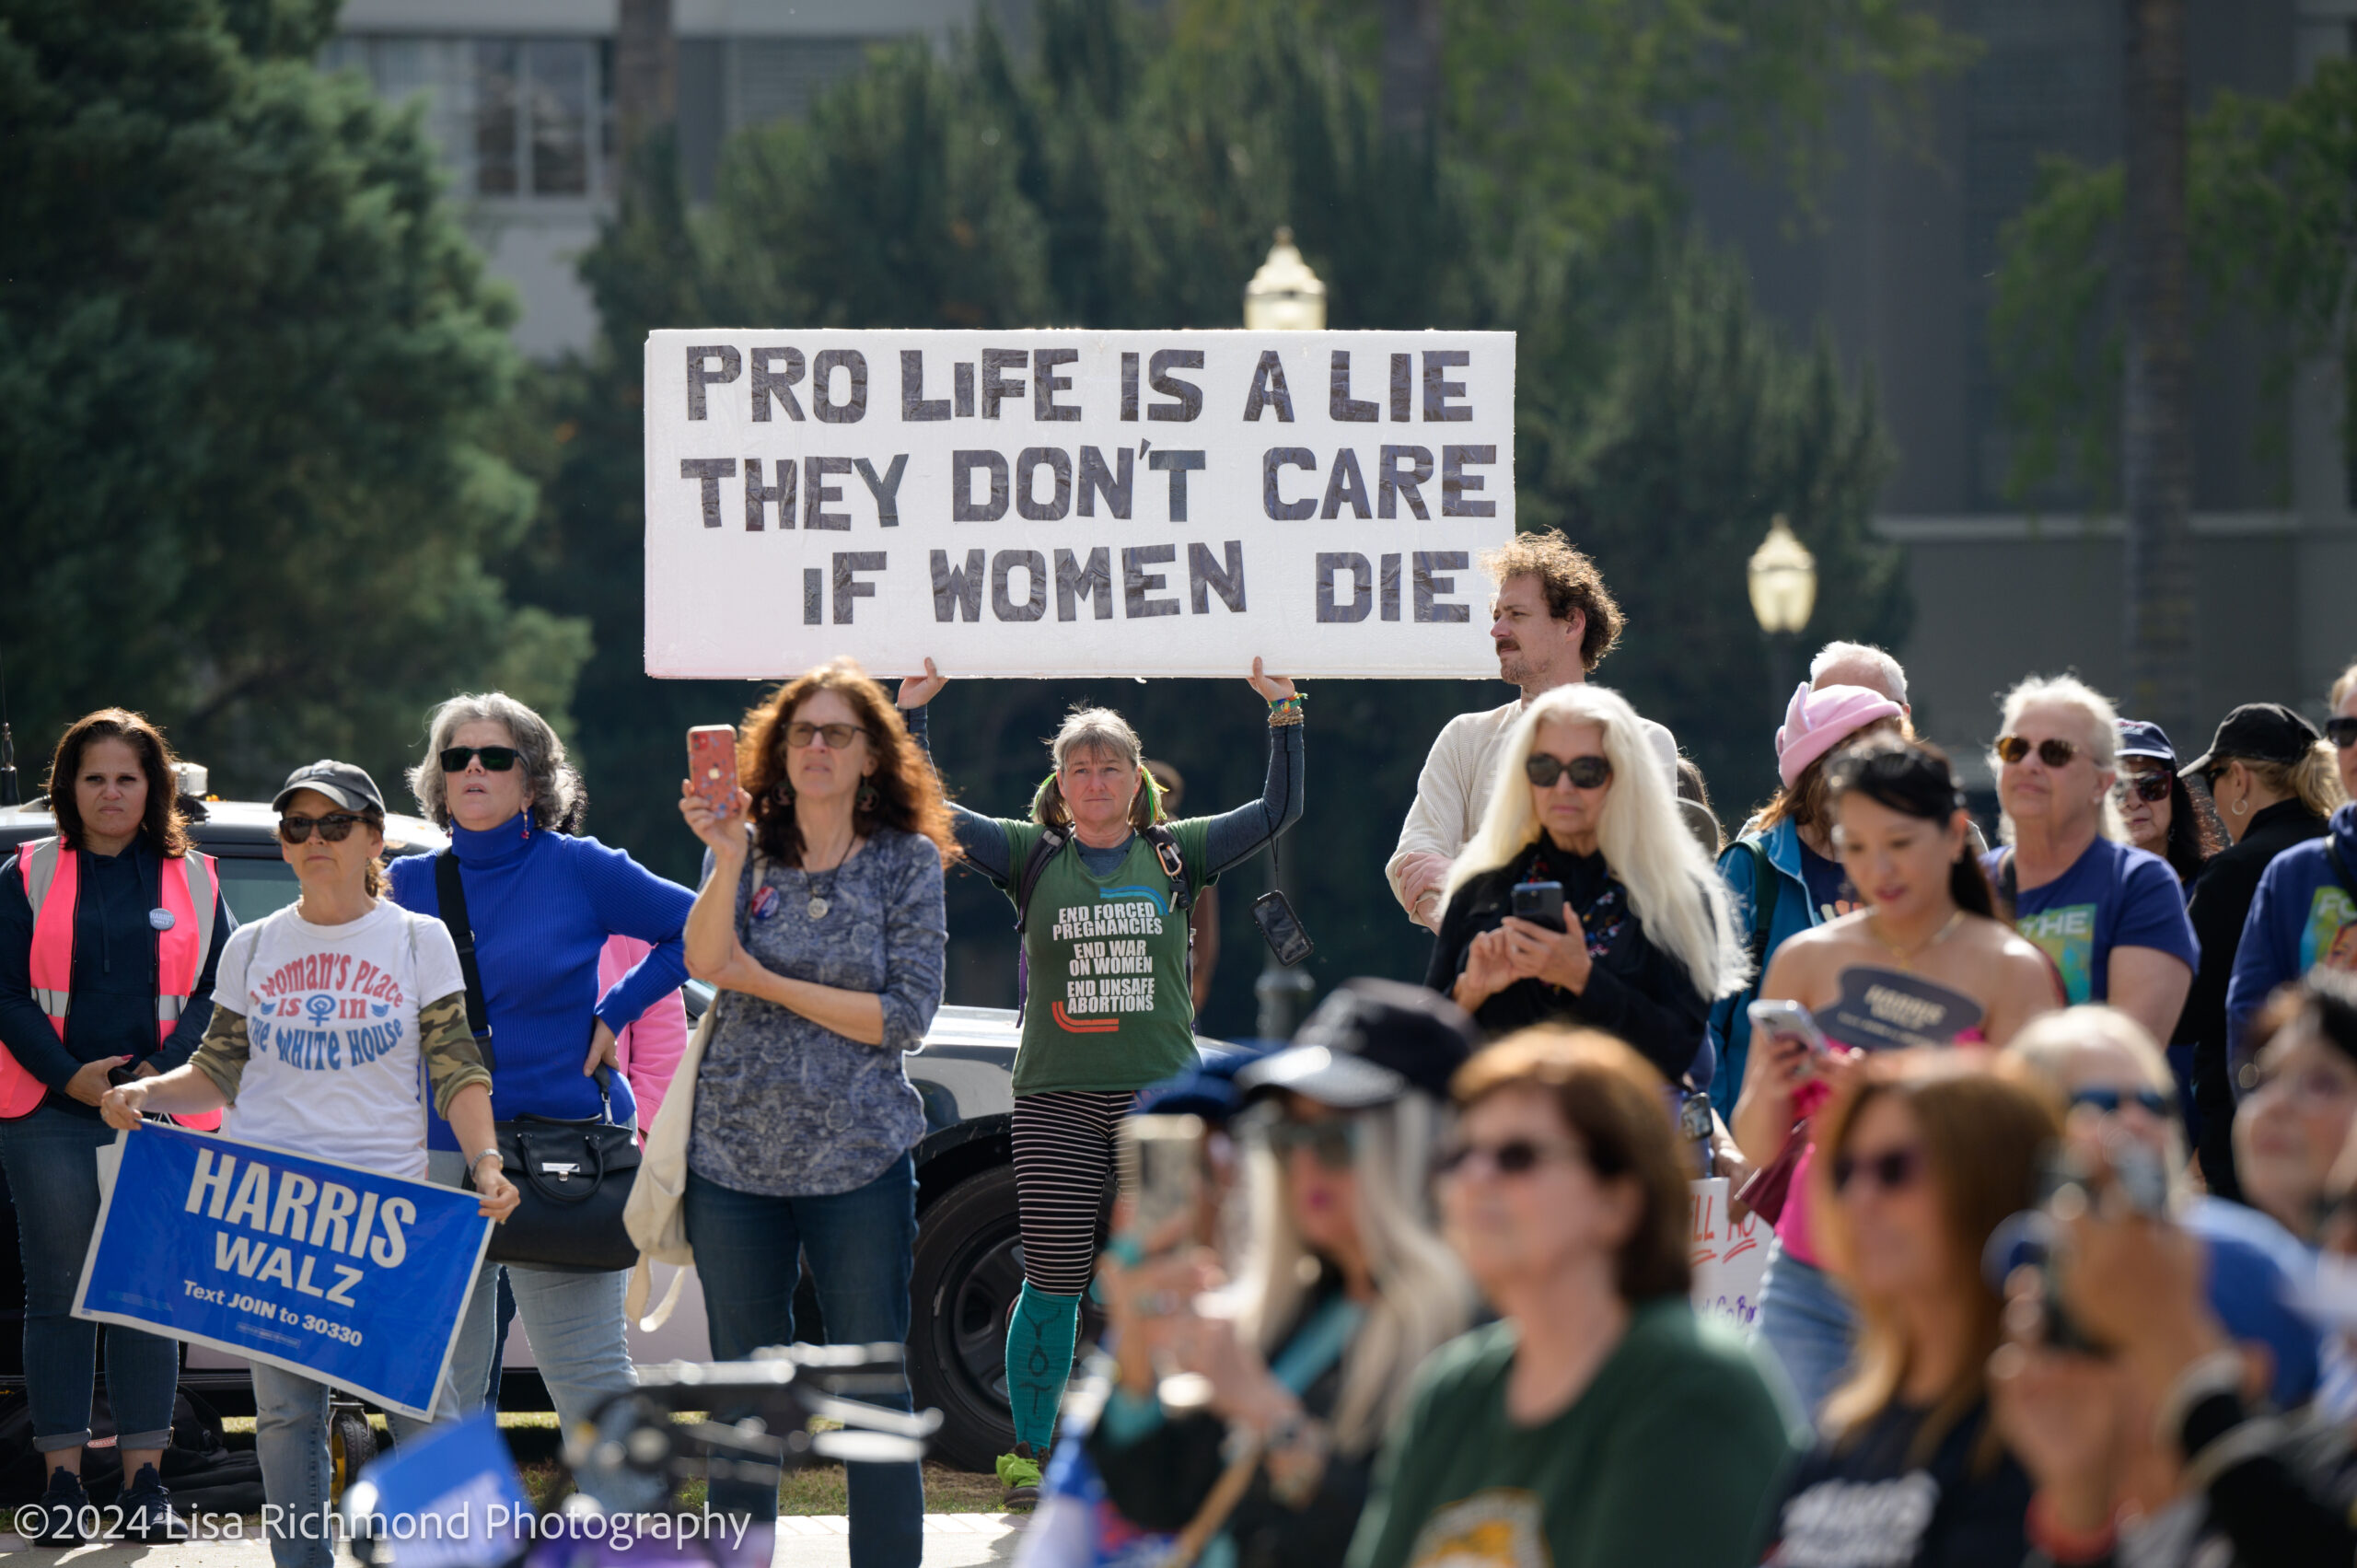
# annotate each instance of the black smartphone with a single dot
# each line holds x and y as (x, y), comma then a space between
(1280, 928)
(1541, 903)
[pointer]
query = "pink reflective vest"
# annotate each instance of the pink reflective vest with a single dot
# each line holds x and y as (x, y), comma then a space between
(53, 880)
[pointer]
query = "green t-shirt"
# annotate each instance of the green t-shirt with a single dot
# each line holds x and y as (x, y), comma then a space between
(1674, 1457)
(1108, 1006)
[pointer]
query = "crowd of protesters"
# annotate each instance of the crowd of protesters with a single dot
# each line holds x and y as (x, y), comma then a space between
(2054, 1140)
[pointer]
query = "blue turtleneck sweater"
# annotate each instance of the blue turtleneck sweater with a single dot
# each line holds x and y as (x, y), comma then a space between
(542, 905)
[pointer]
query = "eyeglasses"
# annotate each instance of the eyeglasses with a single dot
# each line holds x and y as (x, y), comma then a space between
(1893, 1170)
(1585, 773)
(1515, 1157)
(495, 759)
(798, 736)
(1333, 1141)
(2054, 754)
(2152, 788)
(2341, 732)
(335, 826)
(2152, 1102)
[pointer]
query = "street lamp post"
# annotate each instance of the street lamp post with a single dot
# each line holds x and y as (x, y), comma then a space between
(1782, 580)
(1284, 295)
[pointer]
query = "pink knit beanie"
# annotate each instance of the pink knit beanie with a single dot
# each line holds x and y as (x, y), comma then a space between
(1818, 721)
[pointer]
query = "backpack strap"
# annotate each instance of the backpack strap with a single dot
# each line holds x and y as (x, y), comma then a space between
(1035, 865)
(452, 894)
(1767, 882)
(1174, 865)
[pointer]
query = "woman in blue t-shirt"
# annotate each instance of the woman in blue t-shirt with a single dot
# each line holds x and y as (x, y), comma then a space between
(2110, 916)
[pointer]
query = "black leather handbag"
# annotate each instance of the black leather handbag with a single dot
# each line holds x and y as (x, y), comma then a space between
(574, 1175)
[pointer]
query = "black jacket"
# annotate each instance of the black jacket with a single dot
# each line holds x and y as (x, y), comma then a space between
(2221, 898)
(1635, 991)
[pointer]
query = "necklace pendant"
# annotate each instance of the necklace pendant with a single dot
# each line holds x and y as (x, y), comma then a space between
(815, 908)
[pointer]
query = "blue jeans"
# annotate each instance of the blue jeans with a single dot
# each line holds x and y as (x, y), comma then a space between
(574, 1322)
(291, 1443)
(1806, 1320)
(51, 1160)
(748, 1248)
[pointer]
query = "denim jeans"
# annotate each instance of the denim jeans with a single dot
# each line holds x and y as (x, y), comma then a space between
(747, 1249)
(51, 1160)
(1806, 1320)
(291, 1443)
(575, 1322)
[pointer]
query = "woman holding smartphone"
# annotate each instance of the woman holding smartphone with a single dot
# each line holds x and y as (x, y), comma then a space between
(1584, 899)
(370, 1114)
(1095, 874)
(821, 922)
(1924, 963)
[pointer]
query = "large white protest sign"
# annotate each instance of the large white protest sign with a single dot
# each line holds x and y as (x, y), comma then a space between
(1075, 503)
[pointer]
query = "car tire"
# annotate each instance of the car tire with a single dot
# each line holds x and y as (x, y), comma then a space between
(967, 1272)
(352, 1444)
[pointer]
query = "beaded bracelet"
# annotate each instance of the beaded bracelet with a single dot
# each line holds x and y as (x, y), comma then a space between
(1283, 710)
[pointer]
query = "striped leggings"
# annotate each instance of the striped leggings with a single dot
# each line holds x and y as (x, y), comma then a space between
(1063, 1155)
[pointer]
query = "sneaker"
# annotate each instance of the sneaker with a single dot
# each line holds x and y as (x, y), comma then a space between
(147, 1513)
(57, 1519)
(1019, 1474)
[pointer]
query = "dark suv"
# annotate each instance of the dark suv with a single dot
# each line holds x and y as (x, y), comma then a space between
(969, 1265)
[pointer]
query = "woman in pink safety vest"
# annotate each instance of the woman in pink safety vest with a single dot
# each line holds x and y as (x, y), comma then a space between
(649, 1049)
(110, 935)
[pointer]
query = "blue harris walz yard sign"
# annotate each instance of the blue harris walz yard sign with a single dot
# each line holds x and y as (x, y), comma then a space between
(352, 1278)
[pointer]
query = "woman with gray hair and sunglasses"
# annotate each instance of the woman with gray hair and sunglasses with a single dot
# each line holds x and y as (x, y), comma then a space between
(541, 905)
(1095, 875)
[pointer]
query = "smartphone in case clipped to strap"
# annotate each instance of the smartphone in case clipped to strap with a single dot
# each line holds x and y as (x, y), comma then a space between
(1280, 928)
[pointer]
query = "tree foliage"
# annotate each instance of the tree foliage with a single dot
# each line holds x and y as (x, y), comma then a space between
(1130, 175)
(249, 372)
(2272, 226)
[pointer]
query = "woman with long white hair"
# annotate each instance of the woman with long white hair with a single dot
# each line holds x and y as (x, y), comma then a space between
(1342, 1289)
(1582, 898)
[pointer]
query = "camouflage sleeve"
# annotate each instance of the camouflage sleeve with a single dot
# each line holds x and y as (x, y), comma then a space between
(451, 1059)
(222, 1054)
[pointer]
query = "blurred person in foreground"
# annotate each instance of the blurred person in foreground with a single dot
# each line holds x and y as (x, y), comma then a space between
(2271, 776)
(2097, 1061)
(1600, 1422)
(2304, 911)
(2300, 1111)
(1921, 963)
(2168, 1403)
(1343, 1289)
(2110, 916)
(1782, 870)
(1928, 1154)
(1551, 624)
(1646, 941)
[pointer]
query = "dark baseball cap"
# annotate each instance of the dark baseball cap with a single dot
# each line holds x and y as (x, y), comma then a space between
(2138, 738)
(347, 786)
(1368, 1044)
(2257, 732)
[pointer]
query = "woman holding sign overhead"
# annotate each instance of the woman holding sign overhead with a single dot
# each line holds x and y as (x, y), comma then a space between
(1923, 963)
(1101, 884)
(338, 950)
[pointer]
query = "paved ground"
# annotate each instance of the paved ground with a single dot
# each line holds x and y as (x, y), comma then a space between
(951, 1540)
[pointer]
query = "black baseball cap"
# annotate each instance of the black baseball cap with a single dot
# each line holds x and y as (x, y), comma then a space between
(347, 786)
(2257, 732)
(1368, 1044)
(2139, 738)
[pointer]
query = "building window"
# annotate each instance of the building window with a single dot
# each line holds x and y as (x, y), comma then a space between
(515, 118)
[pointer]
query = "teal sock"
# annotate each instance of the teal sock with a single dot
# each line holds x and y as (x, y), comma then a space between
(1038, 1362)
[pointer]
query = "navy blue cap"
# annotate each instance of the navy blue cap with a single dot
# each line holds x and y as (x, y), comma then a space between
(1368, 1043)
(1207, 1089)
(2138, 738)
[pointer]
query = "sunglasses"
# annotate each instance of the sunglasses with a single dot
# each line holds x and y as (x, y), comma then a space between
(2153, 1102)
(1893, 1170)
(1515, 1157)
(335, 826)
(2341, 732)
(798, 736)
(495, 759)
(2053, 753)
(2151, 789)
(1585, 773)
(1333, 1141)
